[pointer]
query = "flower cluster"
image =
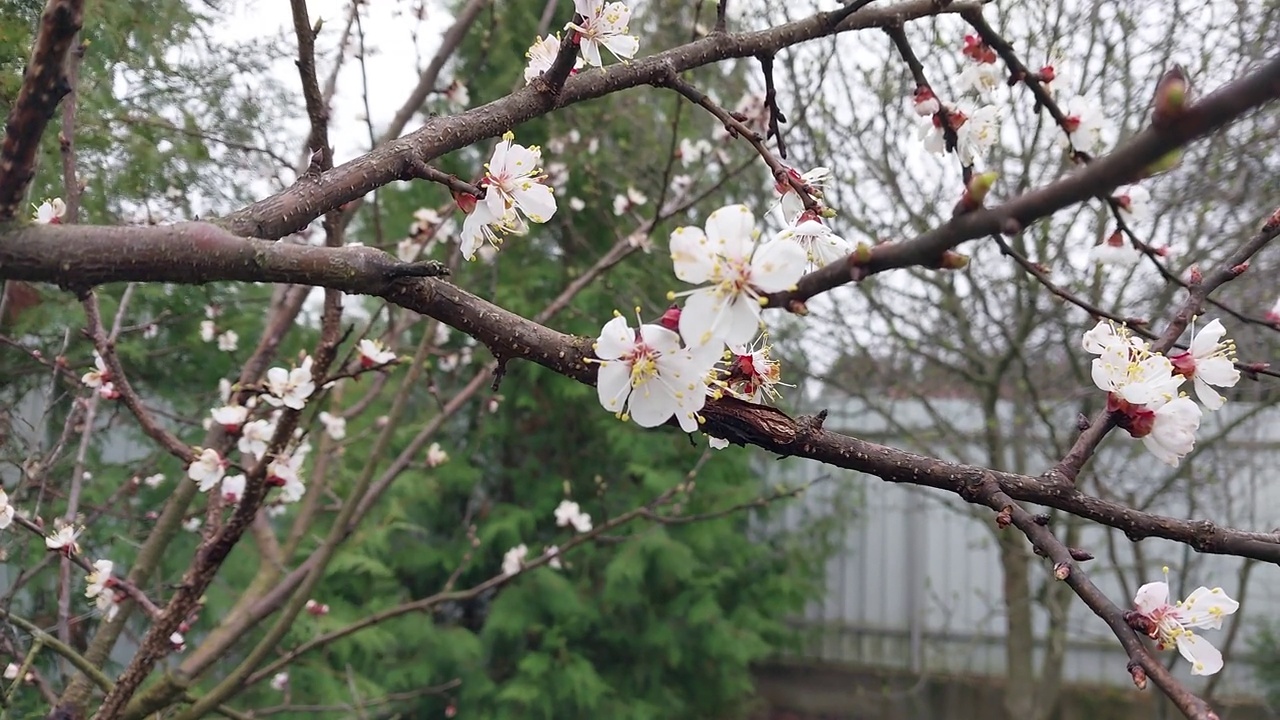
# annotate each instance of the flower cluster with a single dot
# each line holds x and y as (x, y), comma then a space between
(99, 588)
(1142, 385)
(656, 371)
(514, 192)
(99, 379)
(1171, 625)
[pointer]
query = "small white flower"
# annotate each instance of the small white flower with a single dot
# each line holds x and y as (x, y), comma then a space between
(738, 270)
(179, 643)
(1115, 251)
(230, 417)
(228, 341)
(7, 511)
(283, 473)
(819, 242)
(630, 201)
(981, 79)
(513, 560)
(233, 488)
(97, 377)
(192, 524)
(1209, 362)
(98, 580)
(568, 513)
(1136, 376)
(372, 354)
(541, 56)
(1134, 202)
(1086, 126)
(50, 212)
(512, 178)
(457, 95)
(1173, 430)
(603, 25)
(1170, 625)
(334, 426)
(753, 373)
(207, 330)
(255, 437)
(290, 388)
(646, 376)
(153, 480)
(553, 552)
(207, 470)
(436, 456)
(63, 540)
(692, 151)
(717, 443)
(482, 232)
(978, 133)
(280, 681)
(11, 671)
(576, 204)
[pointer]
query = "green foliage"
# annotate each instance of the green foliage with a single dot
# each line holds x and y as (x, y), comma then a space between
(654, 621)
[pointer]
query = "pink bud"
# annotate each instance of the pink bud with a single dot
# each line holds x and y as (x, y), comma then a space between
(1047, 74)
(1139, 675)
(1062, 570)
(671, 318)
(1239, 269)
(1184, 364)
(466, 201)
(926, 103)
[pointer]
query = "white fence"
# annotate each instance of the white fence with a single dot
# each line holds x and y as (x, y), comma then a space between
(918, 584)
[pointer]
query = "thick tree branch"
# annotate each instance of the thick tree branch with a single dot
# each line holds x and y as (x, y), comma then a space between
(44, 83)
(198, 252)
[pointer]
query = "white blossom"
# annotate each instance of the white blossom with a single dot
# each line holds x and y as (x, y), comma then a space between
(1086, 125)
(64, 540)
(1209, 362)
(279, 681)
(1171, 625)
(228, 341)
(1134, 202)
(192, 524)
(738, 270)
(207, 470)
(513, 559)
(631, 200)
(11, 671)
(290, 388)
(820, 243)
(1115, 251)
(153, 480)
(981, 79)
(692, 151)
(436, 456)
(255, 437)
(232, 488)
(603, 25)
(7, 511)
(541, 56)
(576, 204)
(50, 212)
(568, 513)
(207, 330)
(334, 426)
(97, 377)
(457, 95)
(1173, 429)
(1139, 378)
(283, 472)
(646, 376)
(373, 354)
(230, 417)
(513, 182)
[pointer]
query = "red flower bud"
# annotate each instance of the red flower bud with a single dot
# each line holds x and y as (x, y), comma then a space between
(671, 318)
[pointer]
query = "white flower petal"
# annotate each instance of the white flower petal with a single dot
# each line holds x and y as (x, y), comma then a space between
(616, 339)
(1205, 659)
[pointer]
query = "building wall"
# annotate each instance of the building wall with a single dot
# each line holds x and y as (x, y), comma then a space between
(917, 584)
